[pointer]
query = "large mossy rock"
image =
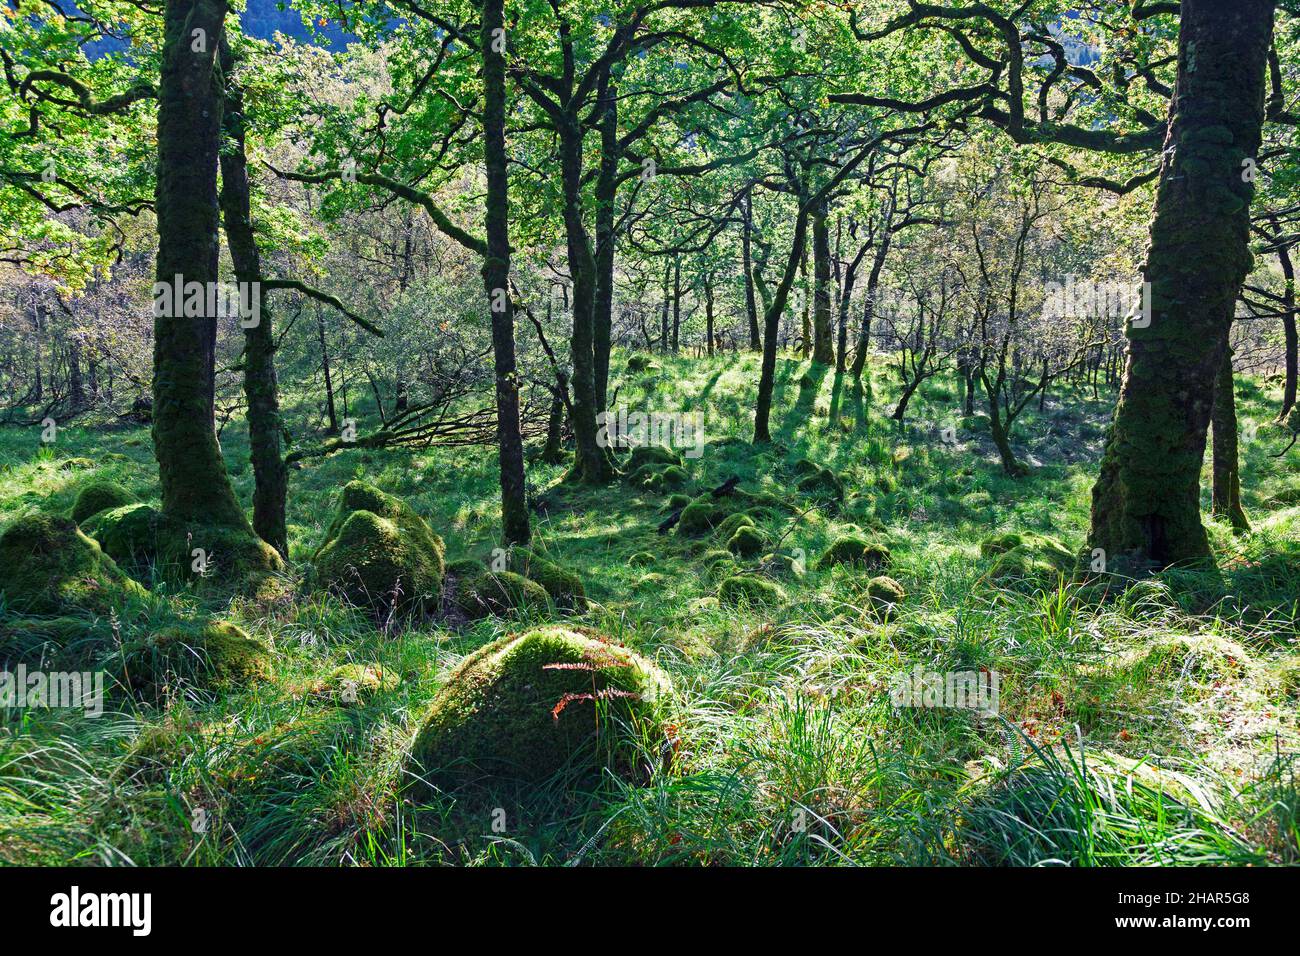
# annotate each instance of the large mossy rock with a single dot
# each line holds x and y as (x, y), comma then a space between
(749, 590)
(141, 539)
(97, 496)
(652, 455)
(855, 550)
(47, 566)
(533, 705)
(747, 542)
(379, 554)
(1027, 556)
(216, 655)
(484, 593)
(563, 586)
(700, 517)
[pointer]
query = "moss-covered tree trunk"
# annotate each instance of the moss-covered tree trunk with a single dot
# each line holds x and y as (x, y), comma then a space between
(591, 462)
(1292, 358)
(751, 306)
(261, 391)
(496, 279)
(1146, 503)
(195, 485)
(606, 243)
(1226, 495)
(823, 333)
(772, 327)
(869, 305)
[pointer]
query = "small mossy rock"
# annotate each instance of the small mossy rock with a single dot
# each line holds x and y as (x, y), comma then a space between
(676, 502)
(642, 559)
(674, 476)
(855, 550)
(718, 564)
(731, 524)
(376, 562)
(747, 542)
(1287, 497)
(464, 567)
(1001, 543)
(824, 483)
(748, 590)
(647, 476)
(652, 580)
(50, 567)
(563, 586)
(129, 534)
(652, 455)
(884, 594)
(497, 593)
(700, 517)
(521, 709)
(779, 564)
(97, 496)
(75, 464)
(351, 684)
(805, 466)
(213, 654)
(638, 363)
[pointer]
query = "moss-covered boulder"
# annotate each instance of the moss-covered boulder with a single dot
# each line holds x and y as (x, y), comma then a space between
(97, 496)
(884, 594)
(674, 476)
(211, 654)
(378, 553)
(780, 564)
(535, 705)
(144, 541)
(749, 590)
(652, 455)
(857, 551)
(747, 542)
(731, 524)
(676, 502)
(563, 586)
(1026, 556)
(47, 566)
(823, 484)
(353, 683)
(639, 363)
(496, 593)
(700, 517)
(642, 559)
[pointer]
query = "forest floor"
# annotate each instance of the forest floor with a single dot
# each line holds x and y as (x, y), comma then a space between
(1138, 722)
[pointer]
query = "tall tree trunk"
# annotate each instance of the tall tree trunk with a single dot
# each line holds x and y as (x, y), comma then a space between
(772, 328)
(496, 280)
(591, 462)
(751, 307)
(869, 305)
(823, 334)
(1227, 475)
(270, 476)
(606, 244)
(708, 313)
(677, 304)
(663, 317)
(195, 485)
(1146, 504)
(330, 410)
(1288, 328)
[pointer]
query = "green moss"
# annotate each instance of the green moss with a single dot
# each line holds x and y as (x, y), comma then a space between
(748, 590)
(496, 593)
(562, 585)
(521, 709)
(1000, 543)
(700, 517)
(652, 455)
(639, 363)
(383, 555)
(783, 565)
(642, 559)
(823, 483)
(677, 501)
(674, 476)
(855, 550)
(1027, 556)
(354, 683)
(50, 567)
(97, 496)
(884, 593)
(141, 538)
(646, 476)
(211, 654)
(747, 542)
(731, 524)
